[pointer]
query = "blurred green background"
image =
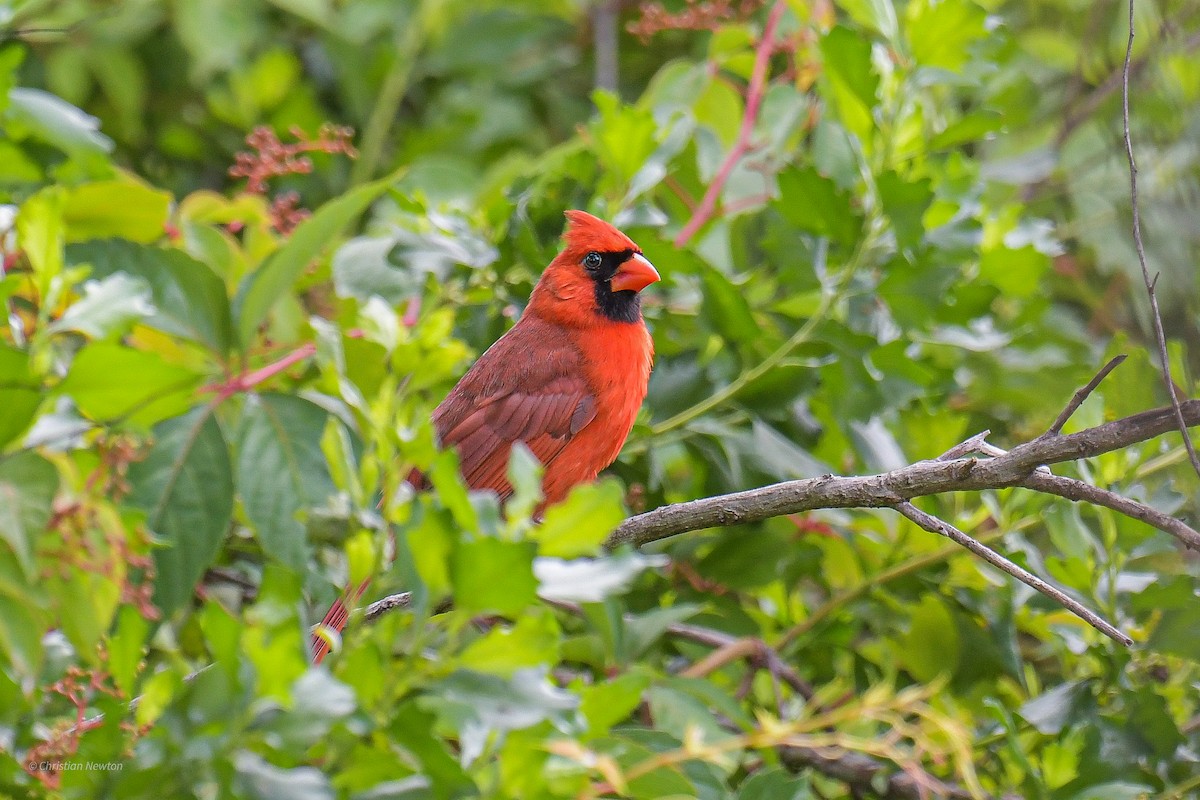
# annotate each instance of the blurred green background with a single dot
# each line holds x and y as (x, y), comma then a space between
(212, 397)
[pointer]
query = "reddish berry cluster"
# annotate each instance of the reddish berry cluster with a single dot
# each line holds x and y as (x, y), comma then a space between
(697, 15)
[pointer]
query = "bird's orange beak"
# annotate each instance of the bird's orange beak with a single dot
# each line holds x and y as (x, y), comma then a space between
(634, 275)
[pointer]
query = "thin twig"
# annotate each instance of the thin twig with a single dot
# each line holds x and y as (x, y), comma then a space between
(734, 647)
(1077, 491)
(863, 772)
(1159, 335)
(248, 380)
(1083, 393)
(755, 92)
(935, 525)
(381, 607)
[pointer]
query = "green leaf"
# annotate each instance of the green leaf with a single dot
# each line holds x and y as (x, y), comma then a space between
(931, 646)
(1049, 713)
(126, 648)
(125, 209)
(815, 204)
(265, 286)
(847, 57)
(265, 781)
(20, 393)
(189, 298)
(905, 203)
(611, 702)
(40, 114)
(21, 631)
(590, 580)
(726, 308)
(879, 15)
(110, 382)
(940, 31)
(493, 576)
(580, 524)
(774, 783)
(185, 484)
(477, 704)
(679, 714)
(412, 729)
(40, 234)
(28, 484)
(531, 642)
(109, 307)
(281, 470)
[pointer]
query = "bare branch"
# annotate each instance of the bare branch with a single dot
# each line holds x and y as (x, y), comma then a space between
(1159, 335)
(935, 525)
(730, 647)
(1077, 491)
(887, 489)
(867, 774)
(1083, 393)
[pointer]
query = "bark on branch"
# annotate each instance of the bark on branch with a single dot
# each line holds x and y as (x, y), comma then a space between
(1016, 467)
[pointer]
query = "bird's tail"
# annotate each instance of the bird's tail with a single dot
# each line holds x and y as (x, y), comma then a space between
(335, 621)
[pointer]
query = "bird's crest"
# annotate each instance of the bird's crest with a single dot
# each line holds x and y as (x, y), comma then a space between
(585, 232)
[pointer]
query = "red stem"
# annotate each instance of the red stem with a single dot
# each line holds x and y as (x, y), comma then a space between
(754, 97)
(248, 380)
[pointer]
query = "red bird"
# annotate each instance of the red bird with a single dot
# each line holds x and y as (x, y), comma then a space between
(567, 379)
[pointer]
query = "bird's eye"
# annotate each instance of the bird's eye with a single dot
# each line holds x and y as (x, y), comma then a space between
(592, 260)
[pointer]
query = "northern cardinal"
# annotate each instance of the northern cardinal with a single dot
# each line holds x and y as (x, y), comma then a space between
(567, 379)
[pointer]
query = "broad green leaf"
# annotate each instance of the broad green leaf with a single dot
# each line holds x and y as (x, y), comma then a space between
(28, 484)
(931, 646)
(680, 714)
(54, 121)
(941, 31)
(624, 135)
(431, 542)
(478, 705)
(879, 15)
(530, 642)
(124, 208)
(40, 235)
(815, 204)
(189, 298)
(774, 783)
(580, 524)
(264, 287)
(847, 57)
(20, 393)
(21, 628)
(590, 580)
(493, 576)
(412, 728)
(905, 203)
(262, 780)
(109, 382)
(126, 647)
(185, 484)
(611, 702)
(109, 307)
(281, 470)
(1050, 712)
(726, 309)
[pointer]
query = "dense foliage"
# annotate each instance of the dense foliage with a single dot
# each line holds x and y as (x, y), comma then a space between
(211, 399)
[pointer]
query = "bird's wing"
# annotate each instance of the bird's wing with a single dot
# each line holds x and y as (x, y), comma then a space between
(527, 388)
